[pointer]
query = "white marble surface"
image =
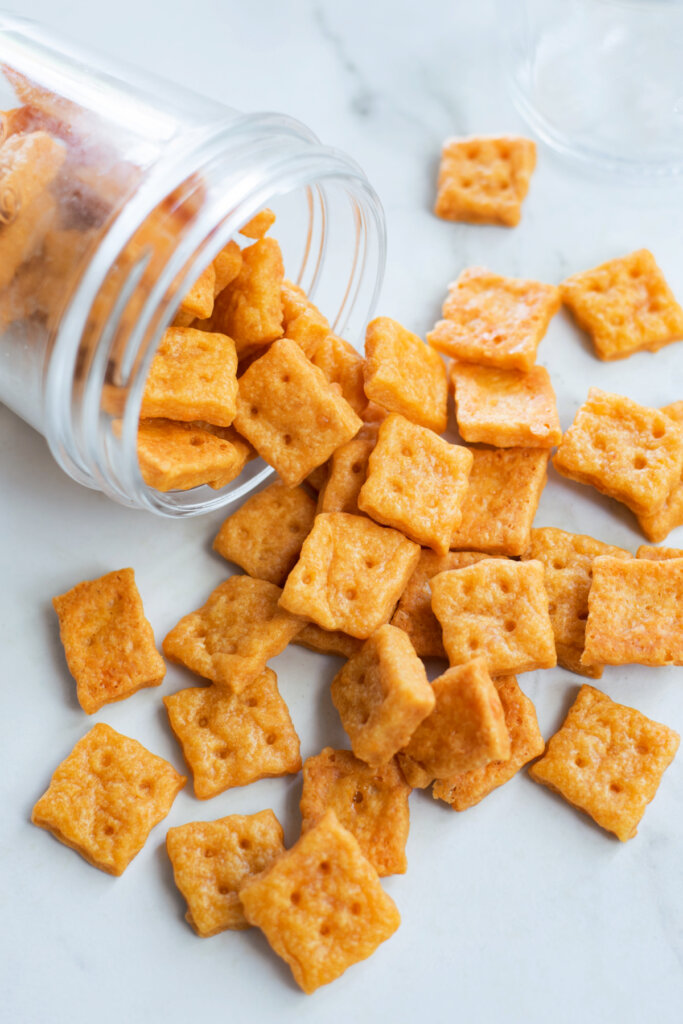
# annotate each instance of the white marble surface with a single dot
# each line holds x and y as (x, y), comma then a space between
(519, 910)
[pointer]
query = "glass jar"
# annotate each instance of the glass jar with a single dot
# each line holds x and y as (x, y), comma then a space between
(601, 80)
(131, 187)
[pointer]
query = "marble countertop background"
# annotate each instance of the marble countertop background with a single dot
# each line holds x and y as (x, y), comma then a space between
(519, 910)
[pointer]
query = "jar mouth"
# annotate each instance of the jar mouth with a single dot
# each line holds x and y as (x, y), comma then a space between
(337, 249)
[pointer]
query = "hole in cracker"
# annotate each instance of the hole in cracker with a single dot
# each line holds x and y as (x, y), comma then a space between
(558, 564)
(285, 378)
(224, 890)
(642, 749)
(325, 929)
(397, 486)
(223, 753)
(146, 786)
(307, 578)
(252, 702)
(356, 467)
(270, 738)
(324, 867)
(295, 897)
(202, 721)
(245, 844)
(510, 626)
(253, 411)
(356, 908)
(294, 527)
(197, 442)
(358, 797)
(361, 679)
(106, 760)
(351, 594)
(473, 644)
(209, 852)
(615, 787)
(287, 438)
(370, 563)
(640, 462)
(552, 608)
(505, 586)
(580, 762)
(658, 431)
(406, 451)
(582, 616)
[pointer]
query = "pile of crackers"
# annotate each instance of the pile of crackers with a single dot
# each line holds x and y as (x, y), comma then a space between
(385, 543)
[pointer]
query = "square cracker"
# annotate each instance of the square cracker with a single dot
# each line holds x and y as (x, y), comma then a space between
(624, 450)
(350, 574)
(342, 365)
(382, 694)
(483, 180)
(416, 482)
(176, 456)
(231, 739)
(568, 562)
(106, 797)
(264, 536)
(108, 642)
(526, 743)
(501, 499)
(505, 408)
(493, 320)
(227, 265)
(635, 612)
(658, 554)
(321, 905)
(302, 321)
(193, 376)
(625, 305)
(232, 636)
(327, 641)
(607, 760)
(259, 225)
(465, 731)
(198, 303)
(212, 859)
(659, 525)
(290, 412)
(347, 474)
(414, 613)
(249, 309)
(372, 803)
(404, 375)
(498, 609)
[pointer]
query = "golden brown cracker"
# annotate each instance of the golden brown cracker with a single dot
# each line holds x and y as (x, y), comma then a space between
(231, 739)
(302, 320)
(404, 375)
(232, 636)
(290, 413)
(505, 408)
(498, 609)
(483, 179)
(321, 905)
(264, 536)
(350, 574)
(635, 612)
(327, 641)
(526, 743)
(176, 456)
(607, 760)
(259, 224)
(493, 320)
(382, 694)
(372, 803)
(625, 305)
(624, 450)
(659, 525)
(106, 797)
(198, 302)
(341, 364)
(504, 489)
(348, 469)
(226, 265)
(212, 859)
(108, 642)
(249, 309)
(657, 554)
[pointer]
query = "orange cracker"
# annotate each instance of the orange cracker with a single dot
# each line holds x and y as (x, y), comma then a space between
(249, 309)
(404, 375)
(501, 499)
(493, 320)
(106, 797)
(465, 731)
(350, 574)
(22, 235)
(416, 482)
(264, 536)
(382, 694)
(342, 365)
(526, 743)
(499, 609)
(659, 525)
(635, 612)
(625, 305)
(658, 554)
(108, 642)
(198, 303)
(414, 613)
(231, 739)
(607, 760)
(193, 376)
(347, 474)
(226, 265)
(302, 320)
(259, 224)
(483, 180)
(176, 456)
(568, 562)
(624, 450)
(231, 637)
(327, 641)
(372, 803)
(505, 408)
(290, 413)
(321, 905)
(212, 859)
